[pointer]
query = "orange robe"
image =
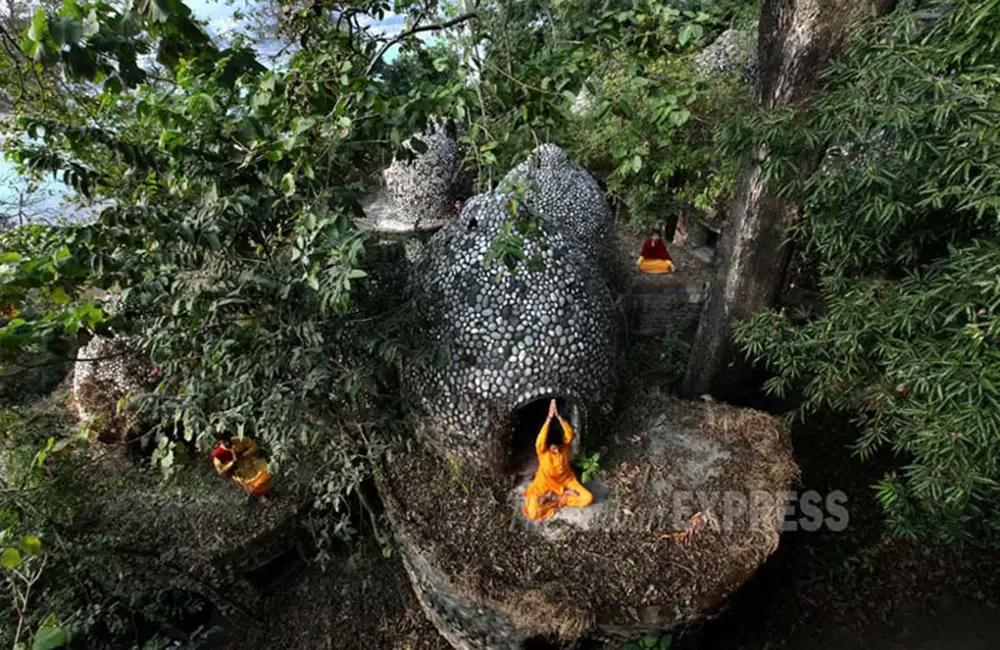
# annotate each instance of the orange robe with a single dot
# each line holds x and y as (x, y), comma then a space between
(658, 267)
(554, 477)
(248, 471)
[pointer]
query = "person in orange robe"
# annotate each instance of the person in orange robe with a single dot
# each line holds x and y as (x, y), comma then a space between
(655, 258)
(555, 485)
(238, 460)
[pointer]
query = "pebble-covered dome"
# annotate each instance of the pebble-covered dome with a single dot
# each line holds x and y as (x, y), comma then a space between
(106, 370)
(549, 328)
(735, 50)
(564, 195)
(424, 189)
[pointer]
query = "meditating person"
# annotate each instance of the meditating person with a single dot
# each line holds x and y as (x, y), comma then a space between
(238, 460)
(555, 485)
(655, 258)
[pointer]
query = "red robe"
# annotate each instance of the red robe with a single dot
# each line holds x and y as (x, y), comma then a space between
(222, 454)
(655, 250)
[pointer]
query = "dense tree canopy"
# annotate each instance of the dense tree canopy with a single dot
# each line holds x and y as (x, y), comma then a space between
(902, 218)
(223, 191)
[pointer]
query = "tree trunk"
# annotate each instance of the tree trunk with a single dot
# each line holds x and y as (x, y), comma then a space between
(795, 40)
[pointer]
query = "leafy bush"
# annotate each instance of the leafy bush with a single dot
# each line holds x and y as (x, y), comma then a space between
(64, 578)
(902, 217)
(651, 642)
(652, 119)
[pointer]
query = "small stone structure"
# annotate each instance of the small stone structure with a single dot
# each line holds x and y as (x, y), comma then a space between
(735, 50)
(548, 327)
(421, 192)
(700, 233)
(108, 370)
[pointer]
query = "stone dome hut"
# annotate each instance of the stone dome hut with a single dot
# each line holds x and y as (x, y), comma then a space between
(421, 191)
(547, 327)
(108, 370)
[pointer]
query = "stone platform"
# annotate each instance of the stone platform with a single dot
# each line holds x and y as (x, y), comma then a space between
(688, 505)
(658, 305)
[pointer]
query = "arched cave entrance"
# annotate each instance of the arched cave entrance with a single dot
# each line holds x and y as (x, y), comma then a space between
(526, 421)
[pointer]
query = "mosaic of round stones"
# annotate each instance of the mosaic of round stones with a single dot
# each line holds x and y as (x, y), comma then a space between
(564, 195)
(423, 190)
(735, 50)
(106, 371)
(548, 328)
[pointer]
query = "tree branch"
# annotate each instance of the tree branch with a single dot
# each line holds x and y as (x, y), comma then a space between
(402, 36)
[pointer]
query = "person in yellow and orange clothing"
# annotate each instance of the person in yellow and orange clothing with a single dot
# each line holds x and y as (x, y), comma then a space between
(237, 458)
(655, 258)
(555, 485)
(8, 310)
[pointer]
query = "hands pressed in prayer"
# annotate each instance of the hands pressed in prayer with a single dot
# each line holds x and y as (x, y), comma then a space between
(553, 412)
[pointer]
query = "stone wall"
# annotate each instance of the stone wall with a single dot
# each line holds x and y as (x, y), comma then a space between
(465, 625)
(656, 310)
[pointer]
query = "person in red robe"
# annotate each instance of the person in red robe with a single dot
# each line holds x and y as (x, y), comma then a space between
(655, 258)
(238, 460)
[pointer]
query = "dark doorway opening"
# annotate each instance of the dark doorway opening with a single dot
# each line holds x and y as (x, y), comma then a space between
(538, 643)
(276, 571)
(711, 238)
(526, 422)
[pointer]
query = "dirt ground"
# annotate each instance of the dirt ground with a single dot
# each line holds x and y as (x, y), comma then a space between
(362, 602)
(857, 589)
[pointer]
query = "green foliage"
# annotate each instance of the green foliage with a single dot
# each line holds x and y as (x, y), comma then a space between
(419, 69)
(590, 466)
(903, 222)
(64, 575)
(230, 211)
(223, 198)
(508, 245)
(648, 122)
(651, 642)
(673, 358)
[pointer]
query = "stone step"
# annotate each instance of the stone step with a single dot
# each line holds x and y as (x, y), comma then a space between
(656, 310)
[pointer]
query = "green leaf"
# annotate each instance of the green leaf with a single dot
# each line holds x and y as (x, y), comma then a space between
(689, 33)
(59, 296)
(91, 25)
(288, 184)
(158, 11)
(10, 558)
(32, 545)
(39, 25)
(49, 638)
(680, 118)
